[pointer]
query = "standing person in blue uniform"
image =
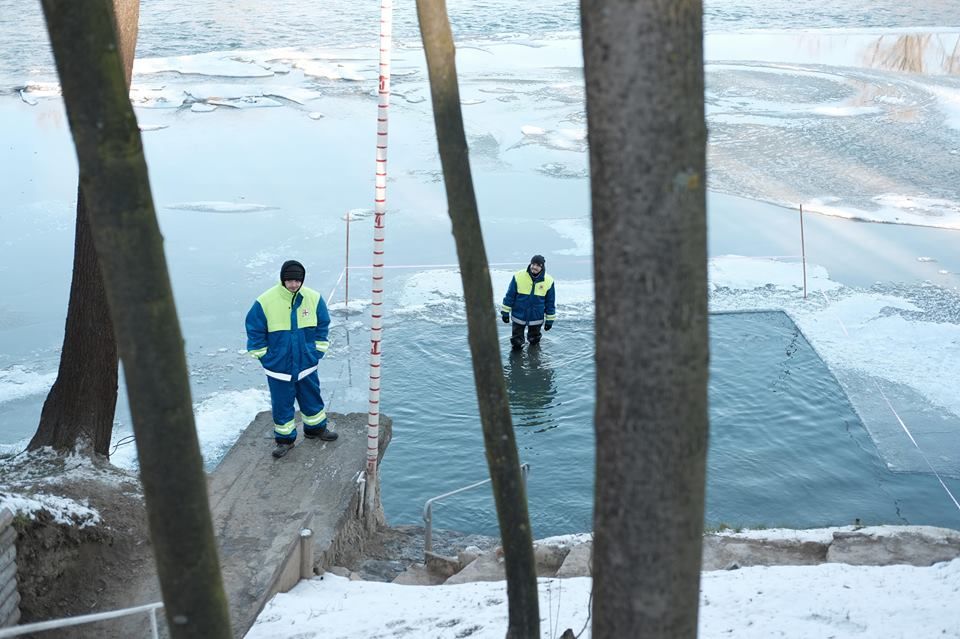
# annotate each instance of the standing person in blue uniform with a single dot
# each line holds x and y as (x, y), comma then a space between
(530, 303)
(287, 330)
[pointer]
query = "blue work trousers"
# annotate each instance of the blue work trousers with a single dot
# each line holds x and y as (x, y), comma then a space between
(306, 392)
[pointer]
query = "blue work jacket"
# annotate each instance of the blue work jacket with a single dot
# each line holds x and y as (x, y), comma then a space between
(287, 332)
(530, 300)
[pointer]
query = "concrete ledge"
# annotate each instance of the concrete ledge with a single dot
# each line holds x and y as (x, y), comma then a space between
(260, 505)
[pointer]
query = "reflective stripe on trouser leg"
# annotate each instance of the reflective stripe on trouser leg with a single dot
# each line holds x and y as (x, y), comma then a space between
(311, 403)
(285, 431)
(282, 395)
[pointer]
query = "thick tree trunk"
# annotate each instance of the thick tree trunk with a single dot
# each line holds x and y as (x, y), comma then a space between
(502, 459)
(643, 63)
(116, 188)
(81, 405)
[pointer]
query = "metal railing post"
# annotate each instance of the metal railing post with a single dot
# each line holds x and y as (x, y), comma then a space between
(306, 554)
(428, 507)
(428, 528)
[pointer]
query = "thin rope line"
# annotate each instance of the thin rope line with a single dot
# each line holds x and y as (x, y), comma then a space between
(910, 435)
(902, 424)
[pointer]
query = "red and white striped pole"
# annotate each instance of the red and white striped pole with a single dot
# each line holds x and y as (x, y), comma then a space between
(380, 211)
(803, 254)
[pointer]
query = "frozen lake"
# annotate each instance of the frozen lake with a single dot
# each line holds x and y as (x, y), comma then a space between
(259, 136)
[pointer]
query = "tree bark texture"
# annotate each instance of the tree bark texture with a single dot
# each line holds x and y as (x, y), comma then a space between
(116, 189)
(81, 405)
(502, 457)
(643, 65)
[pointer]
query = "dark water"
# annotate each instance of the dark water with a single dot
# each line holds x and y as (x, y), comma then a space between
(786, 448)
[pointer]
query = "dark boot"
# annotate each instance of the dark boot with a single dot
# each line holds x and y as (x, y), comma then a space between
(534, 334)
(516, 338)
(282, 449)
(323, 434)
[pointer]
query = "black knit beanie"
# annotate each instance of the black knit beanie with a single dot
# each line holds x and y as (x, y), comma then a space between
(292, 270)
(538, 259)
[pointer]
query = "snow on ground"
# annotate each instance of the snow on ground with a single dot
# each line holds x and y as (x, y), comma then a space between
(24, 477)
(63, 510)
(829, 600)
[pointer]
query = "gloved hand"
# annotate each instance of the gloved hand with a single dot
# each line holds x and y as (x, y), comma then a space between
(505, 317)
(320, 355)
(548, 325)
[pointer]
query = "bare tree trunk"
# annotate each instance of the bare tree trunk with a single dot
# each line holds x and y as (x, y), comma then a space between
(81, 405)
(113, 176)
(643, 63)
(502, 458)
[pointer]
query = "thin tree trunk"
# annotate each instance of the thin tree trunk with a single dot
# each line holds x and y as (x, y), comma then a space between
(113, 177)
(82, 402)
(643, 64)
(502, 458)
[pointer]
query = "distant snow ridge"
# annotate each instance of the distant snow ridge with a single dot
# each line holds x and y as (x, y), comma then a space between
(221, 207)
(563, 139)
(562, 171)
(894, 208)
(220, 419)
(18, 382)
(577, 230)
(217, 64)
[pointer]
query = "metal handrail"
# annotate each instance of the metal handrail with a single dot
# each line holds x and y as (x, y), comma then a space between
(66, 622)
(428, 507)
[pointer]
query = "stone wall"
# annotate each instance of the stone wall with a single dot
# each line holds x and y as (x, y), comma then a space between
(9, 597)
(570, 556)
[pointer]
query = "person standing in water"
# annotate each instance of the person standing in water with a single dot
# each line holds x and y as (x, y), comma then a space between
(530, 303)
